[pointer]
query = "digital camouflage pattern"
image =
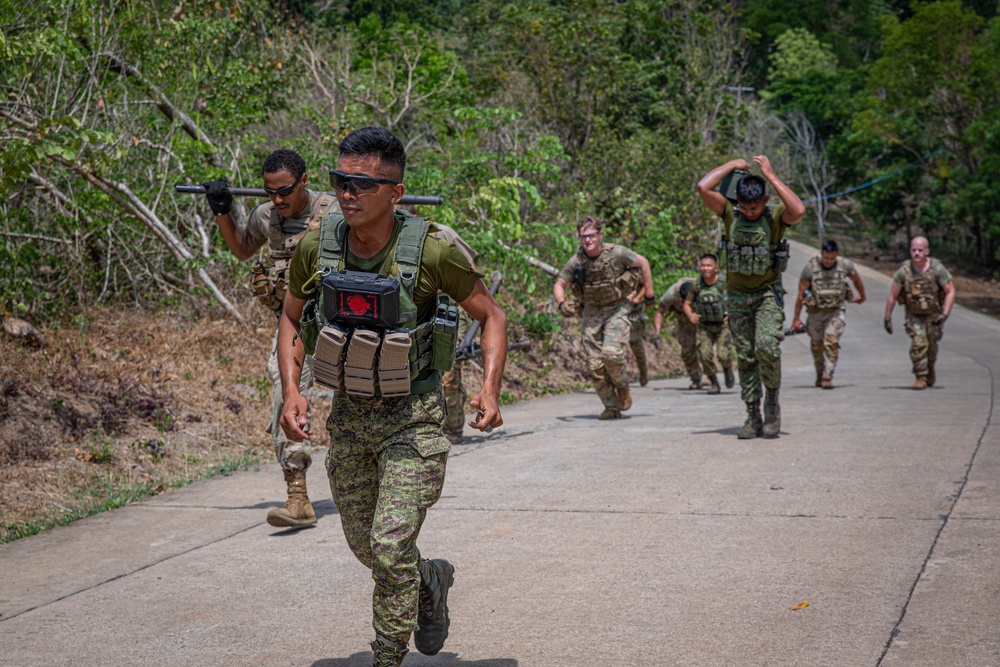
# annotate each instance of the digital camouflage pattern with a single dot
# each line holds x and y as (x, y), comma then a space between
(291, 455)
(606, 332)
(825, 327)
(715, 339)
(757, 324)
(386, 465)
(925, 332)
(685, 332)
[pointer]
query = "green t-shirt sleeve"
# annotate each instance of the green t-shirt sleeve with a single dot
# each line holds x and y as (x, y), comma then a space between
(303, 264)
(692, 293)
(942, 275)
(566, 273)
(807, 272)
(443, 268)
(777, 226)
(258, 223)
(899, 276)
(625, 258)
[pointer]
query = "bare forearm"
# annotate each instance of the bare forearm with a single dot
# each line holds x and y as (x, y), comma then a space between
(494, 349)
(291, 355)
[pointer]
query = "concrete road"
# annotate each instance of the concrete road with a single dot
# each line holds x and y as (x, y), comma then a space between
(659, 539)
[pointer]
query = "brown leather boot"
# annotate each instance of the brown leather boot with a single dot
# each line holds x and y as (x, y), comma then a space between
(920, 383)
(297, 511)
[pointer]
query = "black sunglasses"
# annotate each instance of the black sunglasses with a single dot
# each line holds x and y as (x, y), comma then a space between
(357, 182)
(285, 191)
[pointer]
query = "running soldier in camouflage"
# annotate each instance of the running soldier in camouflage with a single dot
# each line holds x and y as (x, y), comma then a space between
(926, 289)
(755, 254)
(823, 290)
(684, 331)
(280, 224)
(388, 454)
(705, 307)
(602, 276)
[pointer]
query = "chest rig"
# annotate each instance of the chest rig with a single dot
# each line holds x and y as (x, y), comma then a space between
(594, 281)
(269, 276)
(828, 289)
(922, 292)
(746, 246)
(362, 328)
(710, 303)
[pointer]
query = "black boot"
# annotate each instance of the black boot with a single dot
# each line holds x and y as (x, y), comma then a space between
(753, 425)
(772, 414)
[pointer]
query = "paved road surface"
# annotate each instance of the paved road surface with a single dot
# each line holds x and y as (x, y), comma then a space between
(659, 539)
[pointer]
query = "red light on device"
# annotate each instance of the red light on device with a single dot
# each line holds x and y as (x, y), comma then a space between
(358, 305)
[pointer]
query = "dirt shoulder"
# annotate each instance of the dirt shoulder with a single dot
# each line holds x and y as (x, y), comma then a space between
(124, 405)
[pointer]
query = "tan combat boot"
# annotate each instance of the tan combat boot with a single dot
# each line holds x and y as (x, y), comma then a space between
(772, 414)
(696, 382)
(920, 383)
(826, 383)
(623, 397)
(610, 413)
(297, 511)
(386, 653)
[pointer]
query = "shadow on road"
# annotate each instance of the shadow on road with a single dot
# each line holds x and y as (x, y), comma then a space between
(440, 660)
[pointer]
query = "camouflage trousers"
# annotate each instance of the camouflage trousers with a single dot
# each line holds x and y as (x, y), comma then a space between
(757, 324)
(825, 327)
(924, 335)
(687, 337)
(715, 339)
(291, 455)
(605, 335)
(386, 465)
(637, 320)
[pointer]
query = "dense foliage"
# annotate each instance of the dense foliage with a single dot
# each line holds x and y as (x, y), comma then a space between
(523, 116)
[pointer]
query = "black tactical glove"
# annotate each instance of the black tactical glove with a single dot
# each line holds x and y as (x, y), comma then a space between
(220, 199)
(888, 325)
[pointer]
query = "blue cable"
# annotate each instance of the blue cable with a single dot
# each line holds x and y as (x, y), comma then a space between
(873, 182)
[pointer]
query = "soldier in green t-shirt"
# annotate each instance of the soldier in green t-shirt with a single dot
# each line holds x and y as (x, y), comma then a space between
(755, 254)
(705, 307)
(926, 290)
(387, 456)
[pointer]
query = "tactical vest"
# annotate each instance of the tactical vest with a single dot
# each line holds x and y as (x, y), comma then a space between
(711, 302)
(269, 276)
(750, 251)
(828, 289)
(922, 292)
(431, 343)
(601, 284)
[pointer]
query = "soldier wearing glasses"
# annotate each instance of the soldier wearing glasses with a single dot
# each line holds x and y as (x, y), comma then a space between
(387, 457)
(279, 224)
(608, 279)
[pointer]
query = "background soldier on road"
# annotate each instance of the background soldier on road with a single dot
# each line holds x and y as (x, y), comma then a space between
(755, 253)
(926, 289)
(602, 278)
(684, 331)
(637, 319)
(387, 454)
(279, 223)
(826, 302)
(705, 307)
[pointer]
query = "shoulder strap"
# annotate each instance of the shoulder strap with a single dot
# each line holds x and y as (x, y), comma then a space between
(332, 241)
(409, 250)
(320, 208)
